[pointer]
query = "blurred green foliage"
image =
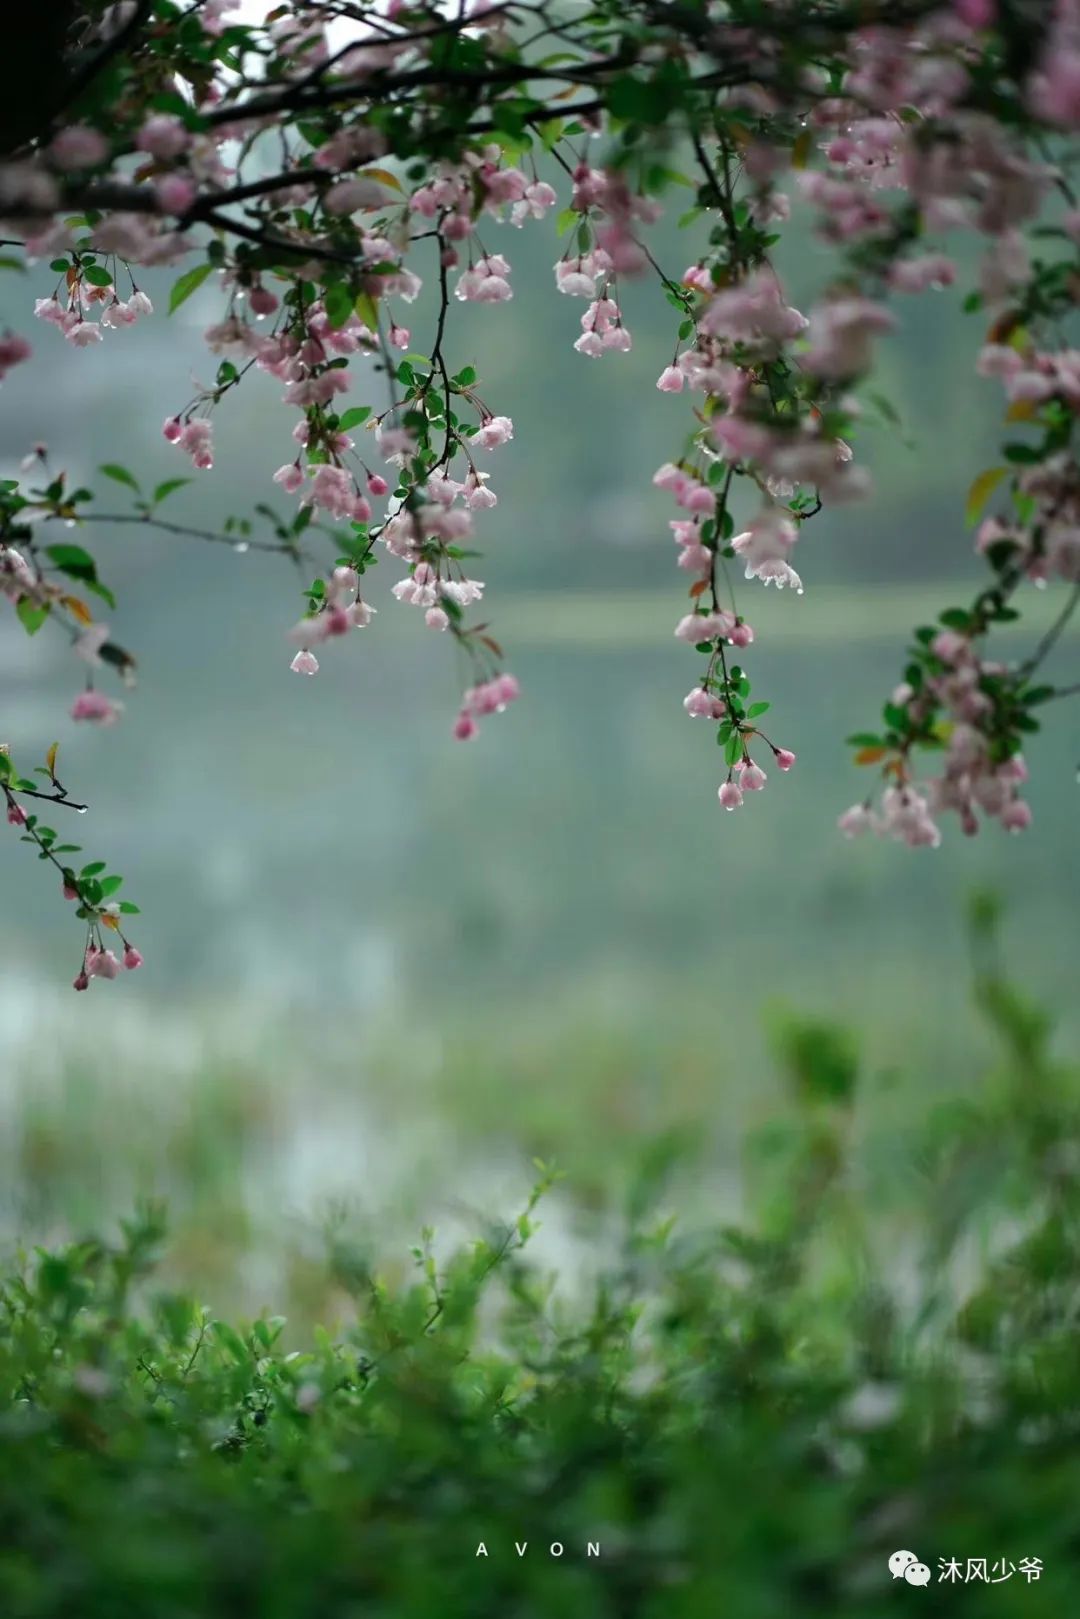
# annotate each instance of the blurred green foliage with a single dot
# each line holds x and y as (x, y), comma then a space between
(748, 1419)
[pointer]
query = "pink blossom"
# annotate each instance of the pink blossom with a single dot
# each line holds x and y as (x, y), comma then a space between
(700, 704)
(196, 440)
(101, 964)
(15, 813)
(49, 309)
(698, 278)
(855, 821)
(96, 707)
(1016, 816)
(730, 796)
(751, 776)
(930, 270)
(591, 344)
(840, 336)
(353, 196)
(132, 958)
(465, 727)
(698, 497)
(290, 477)
(176, 193)
(333, 489)
(698, 627)
(493, 432)
(671, 380)
(82, 333)
(784, 758)
(766, 545)
(78, 147)
(571, 279)
(535, 202)
(262, 301)
(305, 663)
(163, 136)
(80, 981)
(13, 351)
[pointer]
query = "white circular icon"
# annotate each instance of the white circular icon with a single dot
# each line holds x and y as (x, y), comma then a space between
(900, 1562)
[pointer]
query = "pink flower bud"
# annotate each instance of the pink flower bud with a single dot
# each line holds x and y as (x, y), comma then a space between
(670, 380)
(741, 635)
(376, 485)
(730, 796)
(1016, 816)
(69, 892)
(305, 663)
(262, 301)
(751, 777)
(172, 429)
(16, 814)
(465, 727)
(132, 958)
(784, 758)
(101, 964)
(176, 193)
(855, 821)
(700, 704)
(80, 981)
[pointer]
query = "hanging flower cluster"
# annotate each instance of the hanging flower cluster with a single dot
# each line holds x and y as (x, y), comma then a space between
(319, 167)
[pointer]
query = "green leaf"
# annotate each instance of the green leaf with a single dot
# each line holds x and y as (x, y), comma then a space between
(120, 475)
(169, 487)
(368, 310)
(980, 492)
(757, 708)
(96, 276)
(72, 559)
(93, 868)
(231, 1340)
(338, 303)
(189, 282)
(30, 615)
(109, 885)
(354, 417)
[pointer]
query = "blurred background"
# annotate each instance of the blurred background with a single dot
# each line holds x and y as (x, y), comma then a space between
(385, 971)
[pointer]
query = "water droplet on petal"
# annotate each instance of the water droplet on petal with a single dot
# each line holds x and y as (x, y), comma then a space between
(81, 809)
(241, 547)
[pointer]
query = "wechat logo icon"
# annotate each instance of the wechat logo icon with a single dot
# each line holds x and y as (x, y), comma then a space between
(906, 1566)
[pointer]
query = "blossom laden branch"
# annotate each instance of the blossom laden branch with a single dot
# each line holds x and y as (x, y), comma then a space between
(308, 179)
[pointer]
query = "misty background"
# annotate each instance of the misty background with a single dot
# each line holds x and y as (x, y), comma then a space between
(383, 969)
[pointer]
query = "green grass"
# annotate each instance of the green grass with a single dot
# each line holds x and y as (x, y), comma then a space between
(746, 1417)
